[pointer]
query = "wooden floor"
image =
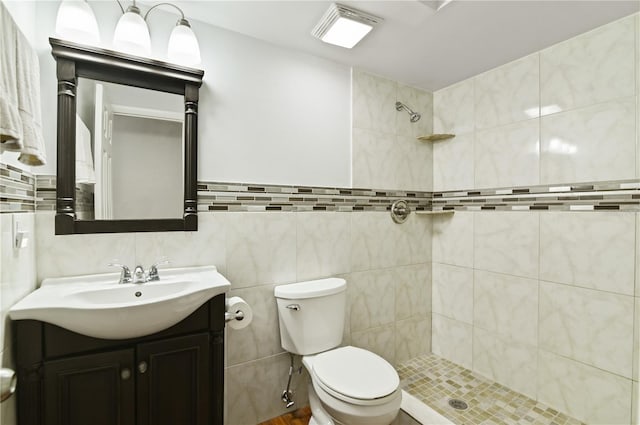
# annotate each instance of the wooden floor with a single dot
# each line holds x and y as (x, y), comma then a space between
(297, 417)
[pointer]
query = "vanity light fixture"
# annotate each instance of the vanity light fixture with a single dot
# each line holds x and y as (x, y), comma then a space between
(76, 22)
(132, 36)
(344, 26)
(132, 33)
(183, 45)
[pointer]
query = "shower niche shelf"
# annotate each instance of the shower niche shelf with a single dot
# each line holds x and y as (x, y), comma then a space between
(436, 137)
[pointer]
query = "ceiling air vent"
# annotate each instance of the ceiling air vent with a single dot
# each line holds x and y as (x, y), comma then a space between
(344, 26)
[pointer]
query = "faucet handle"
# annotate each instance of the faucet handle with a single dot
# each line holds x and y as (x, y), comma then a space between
(125, 275)
(153, 270)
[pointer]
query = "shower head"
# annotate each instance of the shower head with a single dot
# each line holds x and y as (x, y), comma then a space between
(413, 116)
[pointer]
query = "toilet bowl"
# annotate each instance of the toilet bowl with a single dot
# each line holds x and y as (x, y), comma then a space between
(354, 386)
(349, 385)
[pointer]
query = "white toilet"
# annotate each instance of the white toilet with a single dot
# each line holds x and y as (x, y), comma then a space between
(349, 385)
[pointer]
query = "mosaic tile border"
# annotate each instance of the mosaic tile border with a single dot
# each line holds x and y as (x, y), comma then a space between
(46, 196)
(214, 196)
(219, 196)
(621, 195)
(434, 381)
(17, 190)
(45, 193)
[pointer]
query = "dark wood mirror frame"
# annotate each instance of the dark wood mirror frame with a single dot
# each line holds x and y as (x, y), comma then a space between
(76, 60)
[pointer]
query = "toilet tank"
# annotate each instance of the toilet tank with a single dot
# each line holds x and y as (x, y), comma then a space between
(311, 315)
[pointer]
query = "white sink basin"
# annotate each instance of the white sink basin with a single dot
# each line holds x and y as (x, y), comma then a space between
(100, 307)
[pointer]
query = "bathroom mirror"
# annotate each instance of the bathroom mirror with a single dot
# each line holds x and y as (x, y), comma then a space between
(129, 152)
(127, 142)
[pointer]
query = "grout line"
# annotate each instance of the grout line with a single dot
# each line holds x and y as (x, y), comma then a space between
(475, 132)
(637, 93)
(245, 363)
(636, 283)
(537, 383)
(568, 285)
(583, 363)
(296, 223)
(590, 105)
(539, 119)
(484, 270)
(474, 218)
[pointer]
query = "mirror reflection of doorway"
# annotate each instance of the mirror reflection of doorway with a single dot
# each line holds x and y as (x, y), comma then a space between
(134, 140)
(151, 158)
(137, 145)
(103, 199)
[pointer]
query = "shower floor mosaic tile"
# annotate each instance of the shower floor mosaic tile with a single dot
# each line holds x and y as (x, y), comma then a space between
(435, 381)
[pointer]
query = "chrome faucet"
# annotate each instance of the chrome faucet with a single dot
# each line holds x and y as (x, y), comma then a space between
(139, 275)
(125, 275)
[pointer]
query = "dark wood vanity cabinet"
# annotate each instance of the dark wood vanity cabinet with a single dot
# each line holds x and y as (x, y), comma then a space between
(174, 377)
(173, 388)
(93, 389)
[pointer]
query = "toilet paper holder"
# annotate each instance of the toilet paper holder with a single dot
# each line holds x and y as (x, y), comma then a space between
(238, 314)
(230, 315)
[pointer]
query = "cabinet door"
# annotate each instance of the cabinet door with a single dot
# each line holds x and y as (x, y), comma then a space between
(96, 389)
(174, 382)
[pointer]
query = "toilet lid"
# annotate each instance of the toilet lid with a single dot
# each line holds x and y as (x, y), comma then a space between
(356, 373)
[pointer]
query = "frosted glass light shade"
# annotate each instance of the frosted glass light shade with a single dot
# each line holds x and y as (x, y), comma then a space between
(183, 46)
(132, 34)
(346, 32)
(344, 26)
(76, 22)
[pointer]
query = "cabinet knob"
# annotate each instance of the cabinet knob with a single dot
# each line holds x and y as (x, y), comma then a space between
(125, 373)
(142, 367)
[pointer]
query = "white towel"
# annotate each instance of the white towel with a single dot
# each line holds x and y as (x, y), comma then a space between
(10, 123)
(21, 115)
(85, 173)
(28, 76)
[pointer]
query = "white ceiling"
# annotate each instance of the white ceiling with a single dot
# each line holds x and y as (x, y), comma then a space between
(415, 44)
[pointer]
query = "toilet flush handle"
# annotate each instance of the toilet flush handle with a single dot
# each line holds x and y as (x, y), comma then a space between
(295, 307)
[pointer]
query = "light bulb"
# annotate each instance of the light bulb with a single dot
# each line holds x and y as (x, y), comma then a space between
(76, 22)
(132, 33)
(183, 45)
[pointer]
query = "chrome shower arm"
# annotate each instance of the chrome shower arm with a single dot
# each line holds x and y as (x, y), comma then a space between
(413, 116)
(400, 106)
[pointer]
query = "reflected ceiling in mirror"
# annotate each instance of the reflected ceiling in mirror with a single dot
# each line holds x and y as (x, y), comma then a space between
(129, 152)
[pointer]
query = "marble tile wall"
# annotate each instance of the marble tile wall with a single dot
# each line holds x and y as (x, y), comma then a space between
(387, 267)
(385, 152)
(17, 266)
(546, 303)
(566, 114)
(17, 278)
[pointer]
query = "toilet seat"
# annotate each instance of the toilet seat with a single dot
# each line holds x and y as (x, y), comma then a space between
(355, 376)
